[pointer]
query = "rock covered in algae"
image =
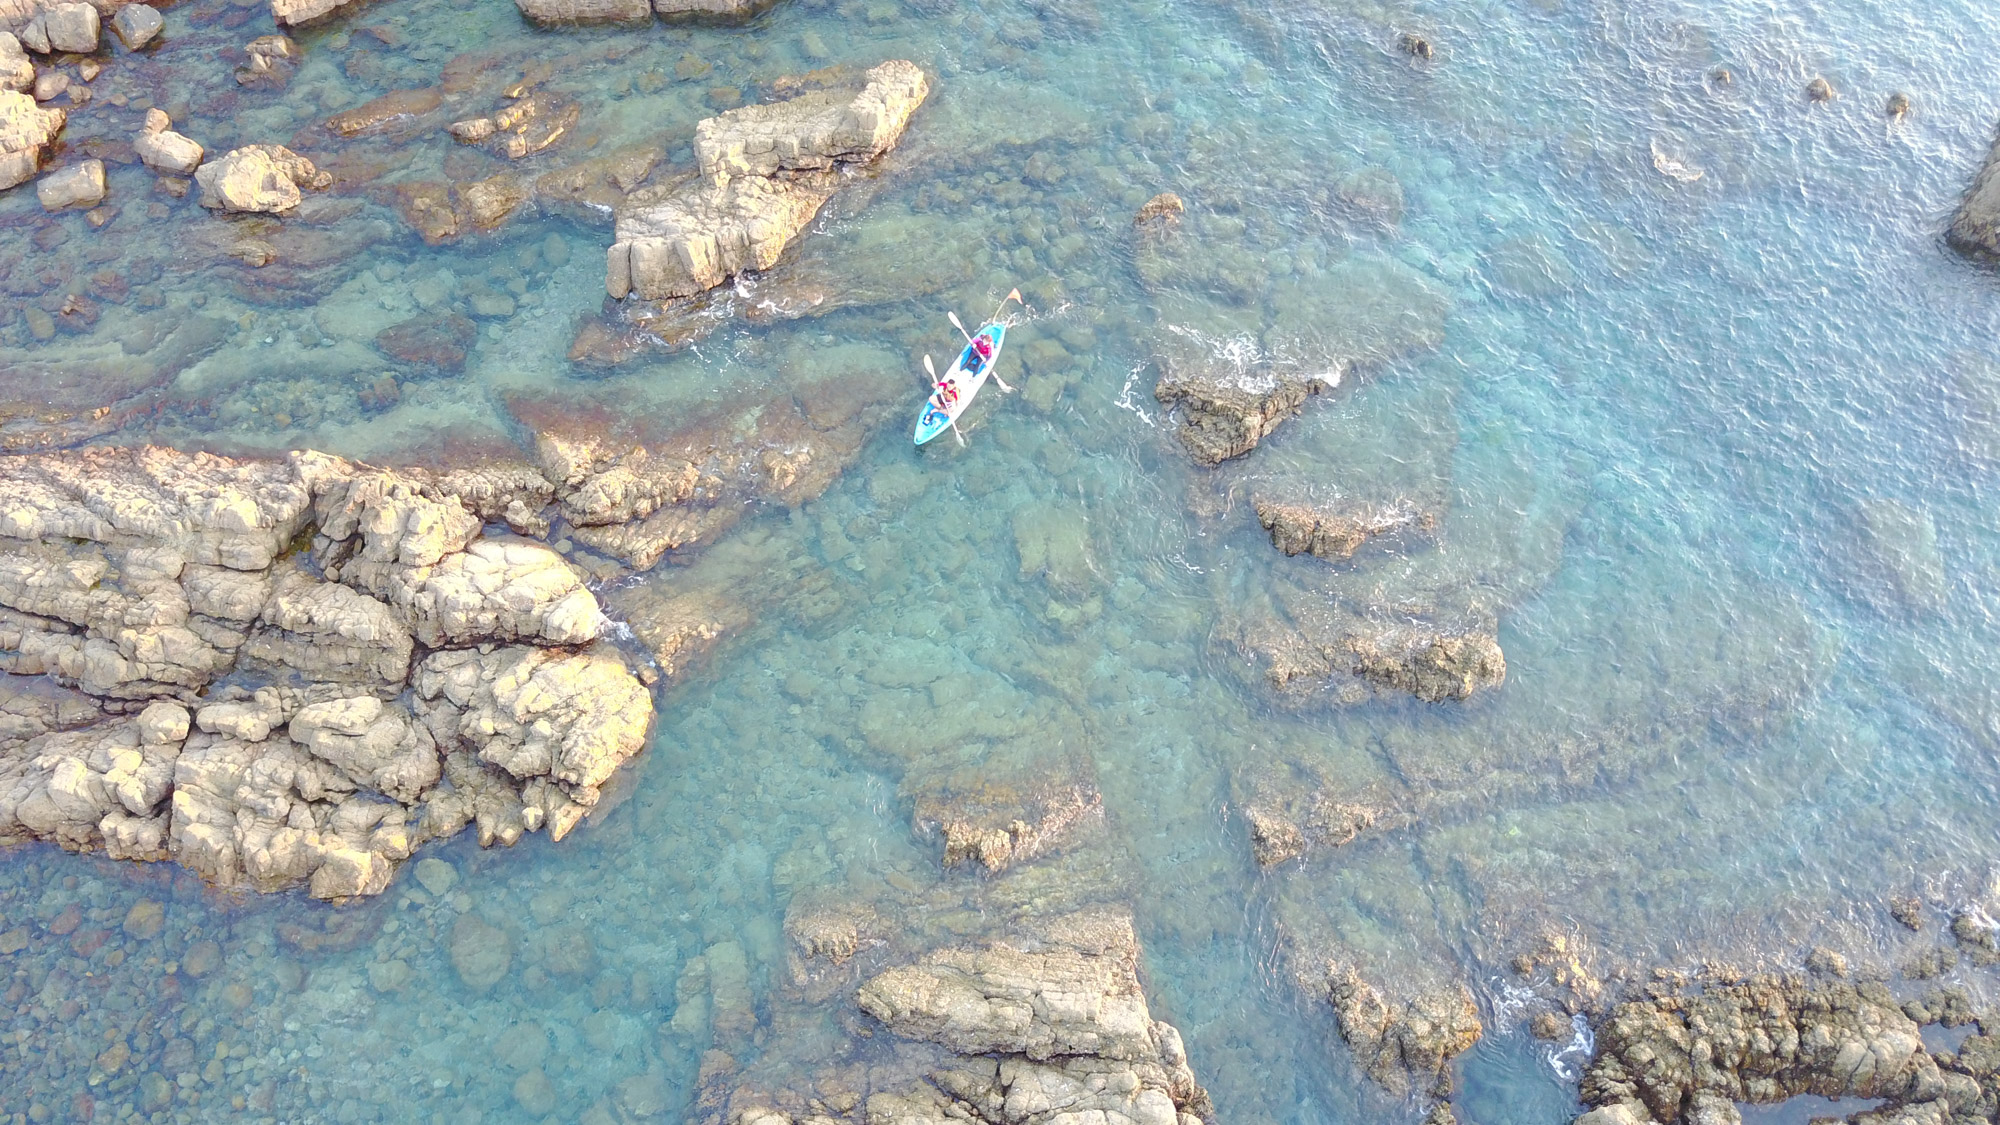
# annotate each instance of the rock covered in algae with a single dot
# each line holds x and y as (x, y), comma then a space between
(291, 13)
(1762, 1040)
(765, 172)
(1227, 409)
(585, 11)
(133, 580)
(17, 70)
(258, 178)
(25, 128)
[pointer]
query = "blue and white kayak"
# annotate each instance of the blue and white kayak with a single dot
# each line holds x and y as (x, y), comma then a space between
(960, 385)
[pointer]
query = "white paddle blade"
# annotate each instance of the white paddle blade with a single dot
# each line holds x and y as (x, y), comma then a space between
(930, 368)
(1004, 388)
(957, 325)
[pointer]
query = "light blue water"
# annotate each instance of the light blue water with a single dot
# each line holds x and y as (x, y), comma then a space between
(1654, 417)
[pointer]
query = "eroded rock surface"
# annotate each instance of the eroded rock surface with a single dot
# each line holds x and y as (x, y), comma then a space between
(258, 178)
(1045, 1027)
(133, 580)
(1406, 1045)
(1768, 1039)
(1975, 230)
(765, 172)
(25, 129)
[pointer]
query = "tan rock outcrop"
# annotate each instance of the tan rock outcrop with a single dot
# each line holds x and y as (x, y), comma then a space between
(138, 578)
(25, 128)
(76, 185)
(72, 28)
(258, 178)
(162, 149)
(1768, 1039)
(1408, 1046)
(17, 70)
(765, 172)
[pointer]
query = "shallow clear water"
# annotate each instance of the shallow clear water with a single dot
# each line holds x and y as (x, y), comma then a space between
(1658, 418)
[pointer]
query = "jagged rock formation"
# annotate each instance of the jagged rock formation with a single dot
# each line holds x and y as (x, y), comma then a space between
(208, 661)
(765, 172)
(1336, 532)
(1767, 1039)
(1353, 653)
(1045, 1027)
(1975, 230)
(1227, 409)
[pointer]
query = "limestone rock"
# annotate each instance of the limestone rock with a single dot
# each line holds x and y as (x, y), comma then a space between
(291, 13)
(98, 788)
(1406, 1047)
(76, 185)
(72, 28)
(1762, 1040)
(1432, 666)
(1975, 230)
(376, 745)
(17, 71)
(141, 577)
(258, 178)
(24, 129)
(681, 242)
(330, 633)
(136, 25)
(1336, 531)
(711, 9)
(585, 11)
(1226, 409)
(765, 172)
(162, 149)
(815, 131)
(1051, 1026)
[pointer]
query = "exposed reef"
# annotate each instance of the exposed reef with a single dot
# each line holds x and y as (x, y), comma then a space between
(765, 171)
(294, 671)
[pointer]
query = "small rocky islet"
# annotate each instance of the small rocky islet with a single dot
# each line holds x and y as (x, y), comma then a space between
(281, 670)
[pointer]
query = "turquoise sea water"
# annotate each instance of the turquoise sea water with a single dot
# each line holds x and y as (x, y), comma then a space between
(1718, 452)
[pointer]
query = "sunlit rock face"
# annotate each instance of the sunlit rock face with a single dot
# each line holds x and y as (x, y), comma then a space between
(209, 659)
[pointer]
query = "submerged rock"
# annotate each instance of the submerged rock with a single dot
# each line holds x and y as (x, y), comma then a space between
(78, 185)
(718, 9)
(258, 178)
(765, 172)
(142, 577)
(137, 25)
